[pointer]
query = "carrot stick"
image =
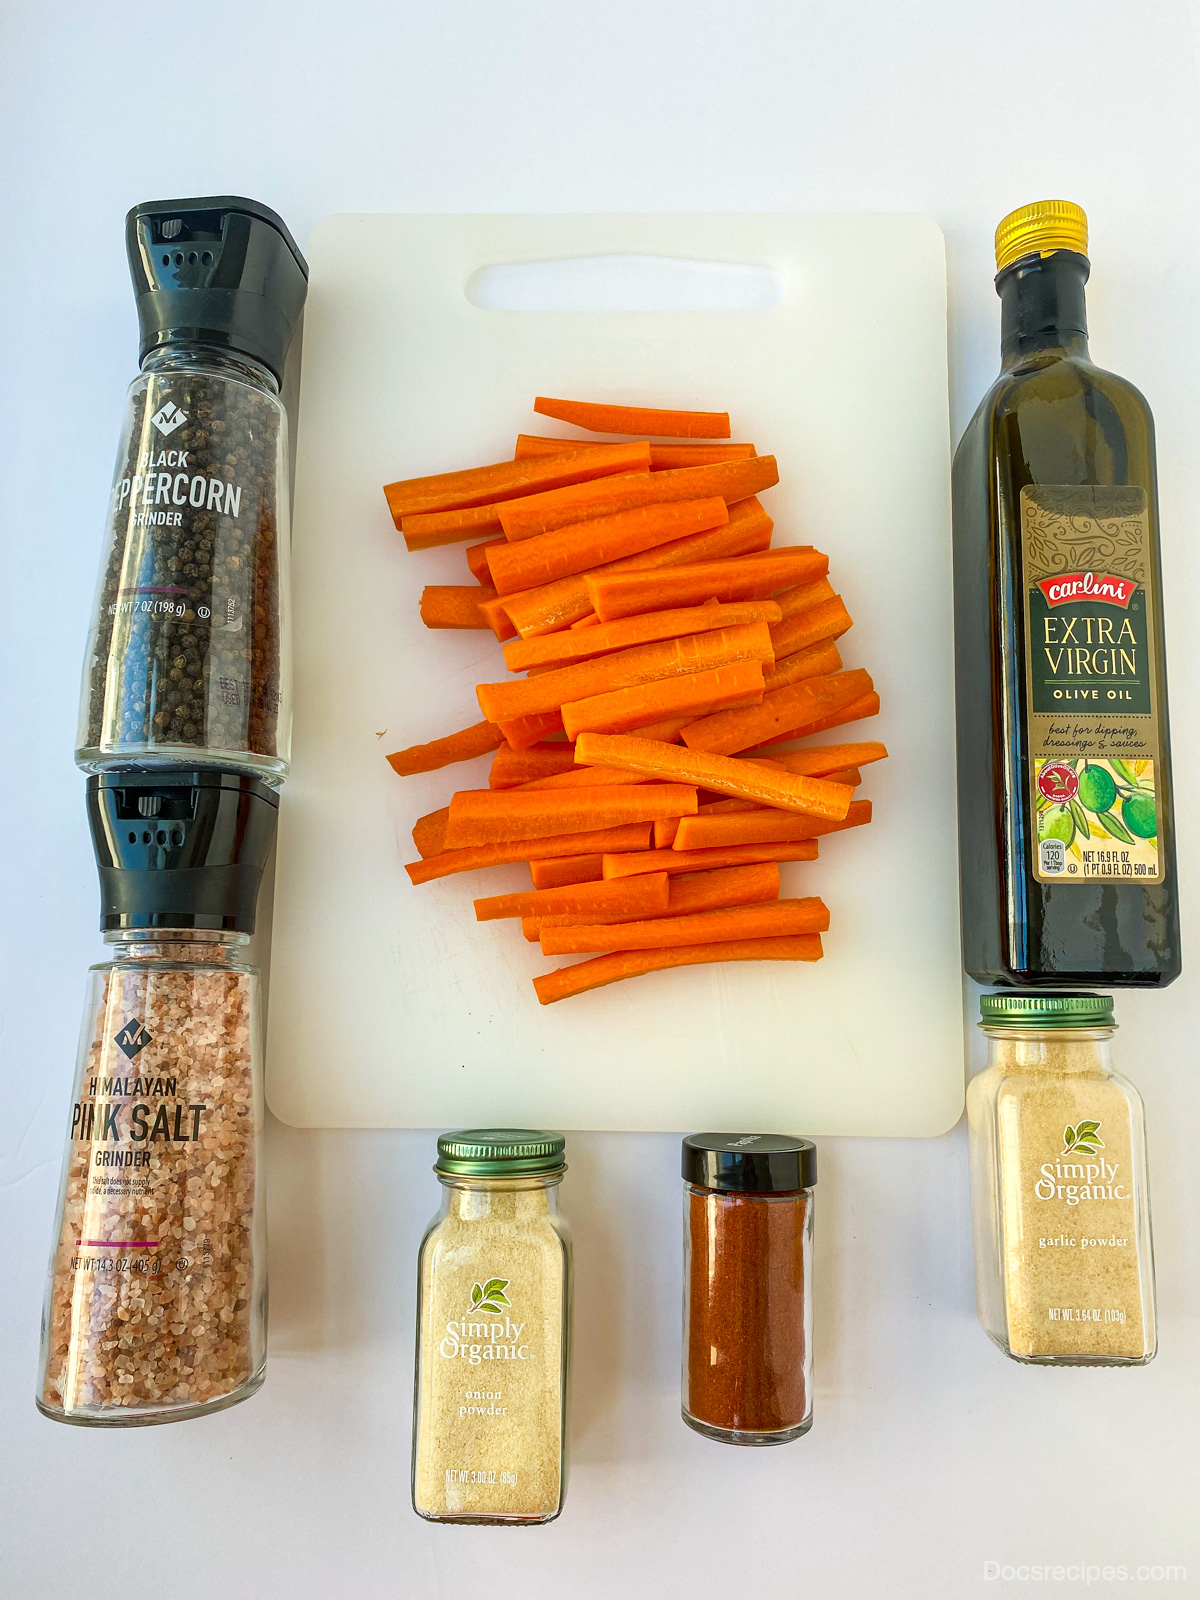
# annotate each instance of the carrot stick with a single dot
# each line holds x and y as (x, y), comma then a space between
(512, 767)
(631, 862)
(801, 598)
(482, 486)
(818, 661)
(665, 829)
(454, 605)
(662, 456)
(605, 841)
(584, 975)
(429, 832)
(762, 827)
(720, 808)
(522, 732)
(667, 729)
(697, 891)
(501, 816)
(794, 706)
(620, 710)
(566, 869)
(497, 618)
(624, 594)
(689, 892)
(557, 508)
(623, 897)
(866, 705)
(582, 546)
(743, 779)
(667, 457)
(645, 663)
(598, 418)
(477, 561)
(464, 746)
(427, 530)
(539, 444)
(723, 808)
(557, 605)
(590, 621)
(779, 918)
(828, 620)
(583, 777)
(822, 759)
(579, 643)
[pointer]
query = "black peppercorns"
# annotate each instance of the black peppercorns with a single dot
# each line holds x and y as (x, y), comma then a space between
(186, 646)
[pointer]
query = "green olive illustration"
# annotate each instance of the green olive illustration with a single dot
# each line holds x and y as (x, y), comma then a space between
(1097, 791)
(1139, 816)
(1059, 826)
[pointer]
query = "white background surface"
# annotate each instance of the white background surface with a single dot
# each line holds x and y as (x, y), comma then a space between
(930, 1454)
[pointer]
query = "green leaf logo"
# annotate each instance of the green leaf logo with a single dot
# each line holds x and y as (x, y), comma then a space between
(490, 1296)
(1084, 1139)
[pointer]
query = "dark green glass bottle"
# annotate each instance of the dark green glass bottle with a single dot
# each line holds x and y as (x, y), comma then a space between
(1066, 827)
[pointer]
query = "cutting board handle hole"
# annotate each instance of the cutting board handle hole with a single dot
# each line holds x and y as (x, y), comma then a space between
(625, 283)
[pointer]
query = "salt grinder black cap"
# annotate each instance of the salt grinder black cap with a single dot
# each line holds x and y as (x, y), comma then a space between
(181, 847)
(217, 270)
(749, 1163)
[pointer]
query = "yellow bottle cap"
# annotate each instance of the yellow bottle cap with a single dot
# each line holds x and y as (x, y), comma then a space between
(1044, 226)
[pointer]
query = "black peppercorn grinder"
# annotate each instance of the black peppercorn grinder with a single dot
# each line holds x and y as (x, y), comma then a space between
(188, 656)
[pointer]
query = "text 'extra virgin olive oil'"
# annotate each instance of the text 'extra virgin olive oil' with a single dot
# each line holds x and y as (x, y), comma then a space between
(1066, 829)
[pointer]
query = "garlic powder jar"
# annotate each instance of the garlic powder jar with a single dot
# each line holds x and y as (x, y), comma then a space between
(493, 1333)
(1064, 1267)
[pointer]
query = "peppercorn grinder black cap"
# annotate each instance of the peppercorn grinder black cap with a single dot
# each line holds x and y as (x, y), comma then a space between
(749, 1163)
(217, 270)
(181, 847)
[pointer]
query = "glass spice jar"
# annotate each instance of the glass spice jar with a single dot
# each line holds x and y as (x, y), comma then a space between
(188, 656)
(493, 1333)
(1064, 1264)
(156, 1299)
(747, 1276)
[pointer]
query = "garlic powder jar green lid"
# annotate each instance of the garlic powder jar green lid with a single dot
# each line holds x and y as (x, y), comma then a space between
(499, 1153)
(1012, 1009)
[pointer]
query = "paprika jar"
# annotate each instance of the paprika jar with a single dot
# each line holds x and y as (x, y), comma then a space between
(747, 1286)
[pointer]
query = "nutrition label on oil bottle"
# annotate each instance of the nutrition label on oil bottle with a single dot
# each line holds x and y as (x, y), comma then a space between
(1093, 718)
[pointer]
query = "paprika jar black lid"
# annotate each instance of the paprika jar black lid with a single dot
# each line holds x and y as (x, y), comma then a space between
(749, 1163)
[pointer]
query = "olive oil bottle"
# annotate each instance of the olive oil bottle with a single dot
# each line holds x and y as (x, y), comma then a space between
(1066, 829)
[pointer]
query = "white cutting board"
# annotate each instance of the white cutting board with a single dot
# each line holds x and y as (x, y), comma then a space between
(390, 1006)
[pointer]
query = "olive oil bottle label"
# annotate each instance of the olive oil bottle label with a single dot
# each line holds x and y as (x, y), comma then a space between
(1090, 681)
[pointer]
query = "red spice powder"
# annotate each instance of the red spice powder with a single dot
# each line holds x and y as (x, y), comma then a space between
(746, 1333)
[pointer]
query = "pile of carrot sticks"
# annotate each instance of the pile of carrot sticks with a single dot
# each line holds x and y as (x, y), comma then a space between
(664, 660)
